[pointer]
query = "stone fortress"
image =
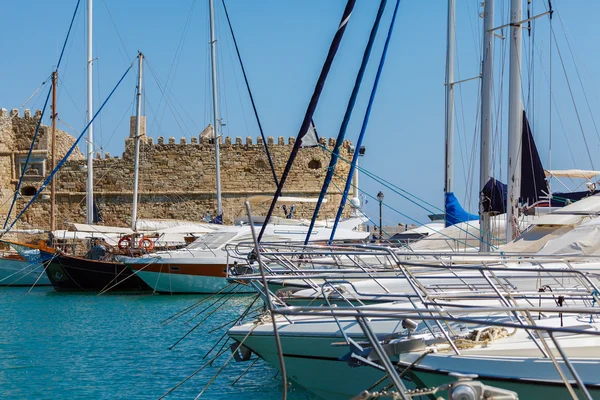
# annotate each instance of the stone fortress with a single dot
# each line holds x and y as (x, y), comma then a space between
(176, 181)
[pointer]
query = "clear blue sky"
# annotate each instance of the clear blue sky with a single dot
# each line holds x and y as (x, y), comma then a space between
(283, 44)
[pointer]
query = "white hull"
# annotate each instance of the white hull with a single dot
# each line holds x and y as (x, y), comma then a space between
(306, 368)
(15, 272)
(314, 362)
(530, 378)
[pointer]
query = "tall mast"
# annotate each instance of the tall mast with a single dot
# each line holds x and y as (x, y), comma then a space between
(53, 159)
(213, 52)
(515, 116)
(136, 166)
(90, 114)
(449, 126)
(487, 81)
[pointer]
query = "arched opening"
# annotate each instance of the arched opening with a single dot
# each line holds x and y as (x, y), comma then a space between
(314, 164)
(28, 191)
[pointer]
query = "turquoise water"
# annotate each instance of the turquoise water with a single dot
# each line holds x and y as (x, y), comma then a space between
(84, 346)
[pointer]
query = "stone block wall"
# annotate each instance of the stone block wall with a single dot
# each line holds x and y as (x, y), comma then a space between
(177, 178)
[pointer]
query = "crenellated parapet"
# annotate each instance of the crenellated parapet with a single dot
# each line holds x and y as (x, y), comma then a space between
(205, 142)
(177, 175)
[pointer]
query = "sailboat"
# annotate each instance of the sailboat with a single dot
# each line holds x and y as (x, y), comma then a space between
(332, 353)
(204, 265)
(97, 270)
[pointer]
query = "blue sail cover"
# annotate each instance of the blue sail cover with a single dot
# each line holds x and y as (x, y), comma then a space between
(455, 213)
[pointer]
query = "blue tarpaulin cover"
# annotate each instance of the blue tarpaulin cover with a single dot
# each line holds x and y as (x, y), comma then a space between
(454, 211)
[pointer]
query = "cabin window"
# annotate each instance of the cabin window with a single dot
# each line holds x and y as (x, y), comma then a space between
(314, 164)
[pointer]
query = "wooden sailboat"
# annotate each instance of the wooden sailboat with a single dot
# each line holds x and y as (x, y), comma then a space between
(97, 270)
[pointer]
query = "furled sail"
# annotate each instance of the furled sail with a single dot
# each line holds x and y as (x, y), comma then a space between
(534, 186)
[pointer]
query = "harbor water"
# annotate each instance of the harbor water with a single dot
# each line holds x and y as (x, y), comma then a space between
(85, 346)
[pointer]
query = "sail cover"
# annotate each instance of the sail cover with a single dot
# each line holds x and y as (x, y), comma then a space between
(455, 213)
(533, 179)
(494, 196)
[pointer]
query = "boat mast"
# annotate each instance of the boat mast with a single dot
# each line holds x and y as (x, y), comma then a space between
(53, 159)
(90, 114)
(515, 115)
(449, 125)
(213, 51)
(487, 81)
(136, 163)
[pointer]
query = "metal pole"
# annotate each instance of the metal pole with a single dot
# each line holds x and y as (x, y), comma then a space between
(269, 303)
(487, 83)
(136, 164)
(90, 114)
(213, 52)
(356, 194)
(515, 117)
(380, 219)
(449, 126)
(53, 159)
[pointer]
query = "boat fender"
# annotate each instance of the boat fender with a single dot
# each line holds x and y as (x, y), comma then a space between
(146, 243)
(124, 243)
(240, 352)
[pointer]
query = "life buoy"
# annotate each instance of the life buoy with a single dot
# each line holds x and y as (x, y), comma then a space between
(124, 242)
(146, 243)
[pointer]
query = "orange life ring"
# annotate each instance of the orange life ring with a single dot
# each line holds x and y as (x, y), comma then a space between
(124, 243)
(146, 243)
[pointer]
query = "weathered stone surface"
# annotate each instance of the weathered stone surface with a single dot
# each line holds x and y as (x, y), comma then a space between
(176, 180)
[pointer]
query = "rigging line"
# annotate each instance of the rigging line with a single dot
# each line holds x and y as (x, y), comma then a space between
(164, 95)
(364, 214)
(124, 48)
(365, 123)
(98, 127)
(399, 191)
(474, 36)
(113, 133)
(312, 105)
(348, 114)
(67, 55)
(497, 137)
(26, 101)
(458, 241)
(221, 84)
(555, 108)
(573, 99)
(550, 100)
(63, 86)
(33, 142)
(461, 145)
(172, 102)
(260, 128)
(175, 61)
(62, 52)
(66, 156)
(578, 75)
(170, 95)
(230, 62)
(40, 120)
(474, 146)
